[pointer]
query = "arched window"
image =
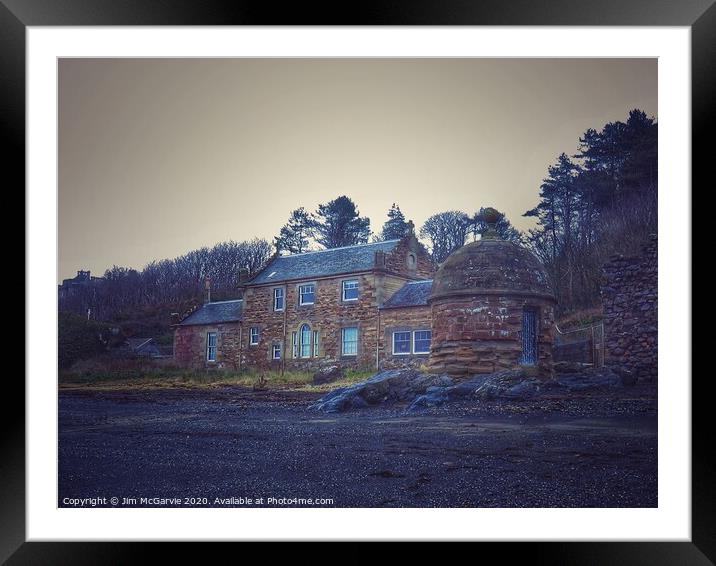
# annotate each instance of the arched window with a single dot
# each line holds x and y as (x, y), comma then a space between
(305, 341)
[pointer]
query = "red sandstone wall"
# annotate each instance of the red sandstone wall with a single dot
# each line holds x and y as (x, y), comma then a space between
(190, 346)
(402, 319)
(397, 260)
(483, 334)
(328, 316)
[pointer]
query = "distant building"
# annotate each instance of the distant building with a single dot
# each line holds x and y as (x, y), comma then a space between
(79, 294)
(143, 347)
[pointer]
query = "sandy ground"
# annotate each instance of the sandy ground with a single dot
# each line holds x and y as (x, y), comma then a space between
(213, 447)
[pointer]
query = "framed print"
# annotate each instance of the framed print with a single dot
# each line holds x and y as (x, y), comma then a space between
(420, 274)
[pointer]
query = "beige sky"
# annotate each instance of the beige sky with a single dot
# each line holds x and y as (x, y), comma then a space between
(161, 156)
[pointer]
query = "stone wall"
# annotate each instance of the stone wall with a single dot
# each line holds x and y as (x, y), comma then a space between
(482, 334)
(190, 346)
(400, 262)
(629, 298)
(402, 319)
(327, 316)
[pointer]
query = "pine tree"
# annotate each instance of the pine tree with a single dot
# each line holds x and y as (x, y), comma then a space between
(338, 223)
(396, 226)
(295, 234)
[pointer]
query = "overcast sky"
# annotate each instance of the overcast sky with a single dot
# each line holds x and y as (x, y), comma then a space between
(161, 156)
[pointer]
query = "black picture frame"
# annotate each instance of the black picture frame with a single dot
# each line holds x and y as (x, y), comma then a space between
(17, 15)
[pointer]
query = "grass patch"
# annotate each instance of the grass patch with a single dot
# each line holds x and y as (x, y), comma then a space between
(150, 378)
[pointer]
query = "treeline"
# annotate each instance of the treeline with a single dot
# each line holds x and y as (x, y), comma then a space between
(338, 223)
(170, 281)
(598, 202)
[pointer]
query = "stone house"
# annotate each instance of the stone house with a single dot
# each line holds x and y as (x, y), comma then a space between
(380, 306)
(308, 310)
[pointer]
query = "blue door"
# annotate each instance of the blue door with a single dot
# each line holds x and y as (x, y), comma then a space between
(529, 337)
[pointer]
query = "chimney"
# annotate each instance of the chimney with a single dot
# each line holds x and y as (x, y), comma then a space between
(243, 274)
(175, 319)
(207, 289)
(380, 259)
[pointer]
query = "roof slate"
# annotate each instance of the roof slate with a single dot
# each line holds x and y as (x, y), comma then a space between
(323, 263)
(412, 294)
(215, 313)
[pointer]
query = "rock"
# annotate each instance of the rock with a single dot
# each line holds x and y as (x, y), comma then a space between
(328, 375)
(384, 387)
(626, 376)
(437, 396)
(510, 384)
(568, 367)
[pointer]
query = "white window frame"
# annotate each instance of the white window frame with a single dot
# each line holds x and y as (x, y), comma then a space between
(274, 349)
(209, 347)
(251, 336)
(410, 342)
(414, 341)
(276, 297)
(316, 343)
(343, 290)
(300, 294)
(307, 345)
(343, 341)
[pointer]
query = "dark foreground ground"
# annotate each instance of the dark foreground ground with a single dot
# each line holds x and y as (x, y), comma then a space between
(205, 447)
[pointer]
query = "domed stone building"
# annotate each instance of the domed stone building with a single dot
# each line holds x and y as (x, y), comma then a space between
(492, 309)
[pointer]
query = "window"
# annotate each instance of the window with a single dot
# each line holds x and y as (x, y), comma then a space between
(211, 346)
(350, 290)
(315, 343)
(278, 299)
(349, 342)
(254, 335)
(276, 352)
(401, 343)
(421, 341)
(306, 294)
(294, 342)
(305, 337)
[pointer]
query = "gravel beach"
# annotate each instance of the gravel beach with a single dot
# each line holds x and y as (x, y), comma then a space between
(224, 447)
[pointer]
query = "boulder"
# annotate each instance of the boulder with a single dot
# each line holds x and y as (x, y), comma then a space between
(509, 384)
(626, 376)
(328, 374)
(389, 386)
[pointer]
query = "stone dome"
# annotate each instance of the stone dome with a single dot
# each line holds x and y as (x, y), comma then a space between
(491, 266)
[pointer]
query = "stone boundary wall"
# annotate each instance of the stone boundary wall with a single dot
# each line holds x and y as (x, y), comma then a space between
(629, 296)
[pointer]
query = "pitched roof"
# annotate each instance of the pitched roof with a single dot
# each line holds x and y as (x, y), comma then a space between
(215, 313)
(323, 263)
(412, 294)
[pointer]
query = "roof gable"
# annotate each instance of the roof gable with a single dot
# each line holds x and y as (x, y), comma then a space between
(323, 263)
